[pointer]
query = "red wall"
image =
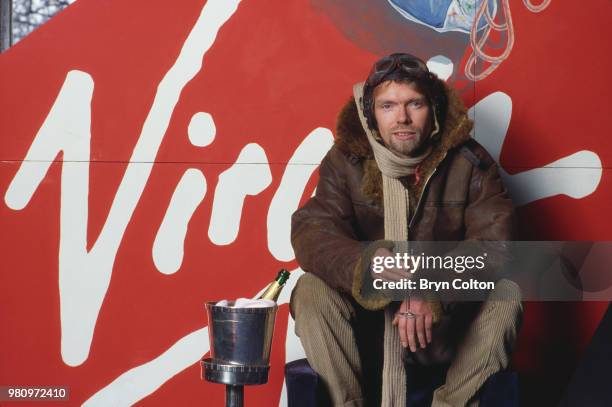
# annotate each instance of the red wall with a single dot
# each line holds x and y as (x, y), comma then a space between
(276, 71)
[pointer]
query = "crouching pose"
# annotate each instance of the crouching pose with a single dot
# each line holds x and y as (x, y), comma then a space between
(403, 168)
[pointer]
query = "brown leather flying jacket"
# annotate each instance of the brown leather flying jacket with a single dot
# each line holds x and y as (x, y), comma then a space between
(458, 196)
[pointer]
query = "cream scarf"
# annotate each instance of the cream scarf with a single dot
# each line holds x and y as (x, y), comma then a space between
(396, 203)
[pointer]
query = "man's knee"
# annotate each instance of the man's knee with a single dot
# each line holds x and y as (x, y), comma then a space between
(507, 292)
(302, 294)
(505, 305)
(312, 298)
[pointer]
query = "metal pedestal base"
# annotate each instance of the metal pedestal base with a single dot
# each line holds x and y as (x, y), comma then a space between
(235, 377)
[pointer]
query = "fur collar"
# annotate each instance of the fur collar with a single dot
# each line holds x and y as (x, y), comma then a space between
(351, 139)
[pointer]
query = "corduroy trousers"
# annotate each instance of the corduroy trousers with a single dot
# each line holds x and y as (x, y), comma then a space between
(343, 343)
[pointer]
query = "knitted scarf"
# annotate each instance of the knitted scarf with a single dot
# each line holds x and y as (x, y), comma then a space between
(396, 205)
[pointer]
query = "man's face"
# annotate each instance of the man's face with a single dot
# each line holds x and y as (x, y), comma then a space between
(403, 117)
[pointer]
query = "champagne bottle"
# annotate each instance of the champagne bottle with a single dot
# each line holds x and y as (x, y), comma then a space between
(275, 287)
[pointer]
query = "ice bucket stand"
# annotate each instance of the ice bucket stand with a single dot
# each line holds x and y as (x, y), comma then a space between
(235, 377)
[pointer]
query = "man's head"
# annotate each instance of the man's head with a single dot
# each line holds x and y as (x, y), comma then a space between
(403, 101)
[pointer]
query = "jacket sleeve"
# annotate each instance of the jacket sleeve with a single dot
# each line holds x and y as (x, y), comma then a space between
(322, 231)
(490, 217)
(490, 212)
(489, 222)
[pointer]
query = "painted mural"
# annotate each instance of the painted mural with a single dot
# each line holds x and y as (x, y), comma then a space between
(150, 164)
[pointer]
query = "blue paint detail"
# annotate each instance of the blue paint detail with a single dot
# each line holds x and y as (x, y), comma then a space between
(444, 15)
(430, 12)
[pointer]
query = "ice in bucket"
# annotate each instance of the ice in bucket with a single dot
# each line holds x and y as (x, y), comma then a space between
(246, 303)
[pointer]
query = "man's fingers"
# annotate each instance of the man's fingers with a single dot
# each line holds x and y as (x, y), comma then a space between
(428, 323)
(410, 334)
(392, 275)
(388, 276)
(419, 322)
(401, 327)
(399, 273)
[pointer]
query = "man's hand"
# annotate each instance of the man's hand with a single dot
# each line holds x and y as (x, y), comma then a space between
(417, 327)
(388, 274)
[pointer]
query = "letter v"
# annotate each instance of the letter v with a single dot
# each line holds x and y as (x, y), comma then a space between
(84, 276)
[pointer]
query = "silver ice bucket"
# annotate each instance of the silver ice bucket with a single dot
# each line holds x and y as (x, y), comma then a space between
(240, 336)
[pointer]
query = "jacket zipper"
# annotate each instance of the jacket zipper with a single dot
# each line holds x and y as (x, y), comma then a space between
(416, 209)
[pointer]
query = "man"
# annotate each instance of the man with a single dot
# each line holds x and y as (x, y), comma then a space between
(403, 168)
